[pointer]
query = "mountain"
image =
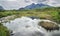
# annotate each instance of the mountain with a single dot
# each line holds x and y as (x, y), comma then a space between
(1, 8)
(35, 6)
(21, 9)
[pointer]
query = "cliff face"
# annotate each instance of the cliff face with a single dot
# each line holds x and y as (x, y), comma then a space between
(49, 26)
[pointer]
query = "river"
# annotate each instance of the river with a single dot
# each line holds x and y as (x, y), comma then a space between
(26, 26)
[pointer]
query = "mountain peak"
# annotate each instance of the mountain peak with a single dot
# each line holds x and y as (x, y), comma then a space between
(34, 6)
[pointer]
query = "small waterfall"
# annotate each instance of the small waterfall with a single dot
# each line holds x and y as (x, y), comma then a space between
(26, 26)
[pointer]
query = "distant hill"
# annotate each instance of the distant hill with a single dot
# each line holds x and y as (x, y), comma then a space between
(21, 9)
(35, 6)
(1, 8)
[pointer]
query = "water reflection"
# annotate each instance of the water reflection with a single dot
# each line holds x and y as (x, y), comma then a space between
(25, 26)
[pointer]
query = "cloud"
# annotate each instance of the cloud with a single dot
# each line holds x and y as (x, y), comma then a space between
(9, 5)
(11, 0)
(15, 4)
(55, 3)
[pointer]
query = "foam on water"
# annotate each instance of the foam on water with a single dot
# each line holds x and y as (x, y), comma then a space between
(25, 26)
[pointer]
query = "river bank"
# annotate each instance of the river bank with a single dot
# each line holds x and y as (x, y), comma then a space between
(7, 19)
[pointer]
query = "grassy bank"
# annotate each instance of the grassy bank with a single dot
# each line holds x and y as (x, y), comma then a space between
(3, 31)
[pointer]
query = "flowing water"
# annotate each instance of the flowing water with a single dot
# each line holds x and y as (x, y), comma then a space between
(26, 26)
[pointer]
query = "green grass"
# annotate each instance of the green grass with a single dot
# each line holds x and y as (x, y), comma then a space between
(51, 13)
(3, 31)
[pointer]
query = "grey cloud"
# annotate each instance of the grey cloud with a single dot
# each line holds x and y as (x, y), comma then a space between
(22, 3)
(27, 1)
(9, 5)
(3, 0)
(57, 1)
(38, 1)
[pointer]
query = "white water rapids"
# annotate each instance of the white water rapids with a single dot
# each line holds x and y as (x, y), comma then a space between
(26, 26)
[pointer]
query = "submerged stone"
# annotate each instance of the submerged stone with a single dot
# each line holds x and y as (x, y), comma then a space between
(49, 26)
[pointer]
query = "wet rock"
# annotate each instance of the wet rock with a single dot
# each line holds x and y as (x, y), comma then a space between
(33, 17)
(49, 26)
(11, 33)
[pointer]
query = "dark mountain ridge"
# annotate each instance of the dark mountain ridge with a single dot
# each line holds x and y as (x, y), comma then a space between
(35, 6)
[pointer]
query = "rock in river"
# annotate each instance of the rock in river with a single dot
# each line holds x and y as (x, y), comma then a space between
(49, 26)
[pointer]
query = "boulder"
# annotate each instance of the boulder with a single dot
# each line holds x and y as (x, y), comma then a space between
(49, 26)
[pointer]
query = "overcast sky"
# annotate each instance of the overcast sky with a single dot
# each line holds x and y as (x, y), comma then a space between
(15, 4)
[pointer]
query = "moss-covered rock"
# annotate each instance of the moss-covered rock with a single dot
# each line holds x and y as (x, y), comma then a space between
(49, 25)
(3, 31)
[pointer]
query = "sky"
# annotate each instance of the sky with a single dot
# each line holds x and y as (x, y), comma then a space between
(15, 4)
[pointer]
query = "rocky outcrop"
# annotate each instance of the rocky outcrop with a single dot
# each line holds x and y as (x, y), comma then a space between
(49, 26)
